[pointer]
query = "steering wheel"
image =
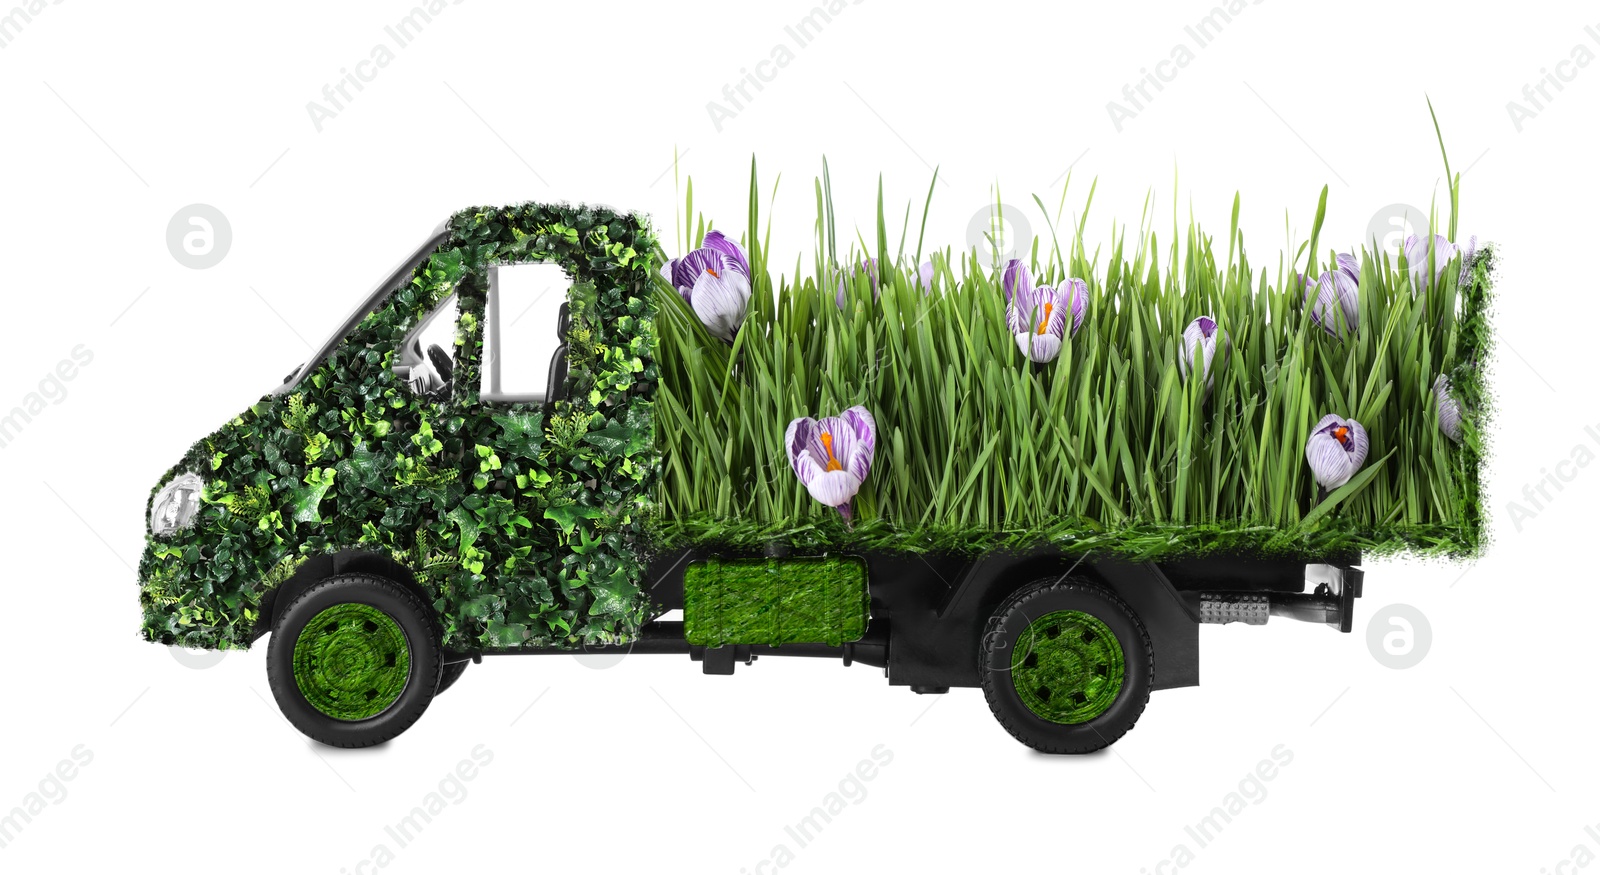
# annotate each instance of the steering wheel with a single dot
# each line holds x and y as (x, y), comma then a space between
(430, 376)
(441, 363)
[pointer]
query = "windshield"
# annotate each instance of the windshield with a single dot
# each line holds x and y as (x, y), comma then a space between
(400, 274)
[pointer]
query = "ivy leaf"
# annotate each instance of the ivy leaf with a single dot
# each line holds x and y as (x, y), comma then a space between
(617, 439)
(306, 498)
(521, 434)
(585, 543)
(468, 524)
(506, 634)
(612, 594)
(364, 469)
(567, 515)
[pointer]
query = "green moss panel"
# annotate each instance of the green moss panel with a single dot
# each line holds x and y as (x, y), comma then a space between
(816, 600)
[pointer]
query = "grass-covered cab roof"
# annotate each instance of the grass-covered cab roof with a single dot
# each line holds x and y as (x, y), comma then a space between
(1108, 446)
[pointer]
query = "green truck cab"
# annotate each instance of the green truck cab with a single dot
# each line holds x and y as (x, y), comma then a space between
(408, 502)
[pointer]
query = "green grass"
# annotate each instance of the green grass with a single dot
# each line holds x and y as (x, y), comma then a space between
(1105, 448)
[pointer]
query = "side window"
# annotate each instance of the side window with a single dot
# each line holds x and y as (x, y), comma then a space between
(424, 361)
(525, 329)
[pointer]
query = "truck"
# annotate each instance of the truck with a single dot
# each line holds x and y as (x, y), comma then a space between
(540, 435)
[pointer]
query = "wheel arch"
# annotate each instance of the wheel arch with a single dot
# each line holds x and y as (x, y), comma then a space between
(1008, 576)
(994, 577)
(319, 568)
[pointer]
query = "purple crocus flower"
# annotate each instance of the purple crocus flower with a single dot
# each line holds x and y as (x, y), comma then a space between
(925, 277)
(1449, 411)
(1416, 249)
(1335, 451)
(833, 455)
(1016, 277)
(1467, 252)
(715, 240)
(868, 266)
(1037, 316)
(1337, 288)
(1077, 292)
(715, 281)
(1200, 341)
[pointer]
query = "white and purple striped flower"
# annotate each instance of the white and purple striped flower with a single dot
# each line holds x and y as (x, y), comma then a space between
(1335, 451)
(1337, 294)
(1037, 316)
(833, 455)
(1449, 411)
(867, 266)
(1467, 253)
(1416, 249)
(1200, 340)
(715, 281)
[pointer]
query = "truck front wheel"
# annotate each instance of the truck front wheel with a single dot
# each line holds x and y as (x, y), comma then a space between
(354, 661)
(1066, 666)
(452, 673)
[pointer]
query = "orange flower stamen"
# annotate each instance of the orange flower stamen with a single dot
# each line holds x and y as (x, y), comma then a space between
(1048, 306)
(827, 444)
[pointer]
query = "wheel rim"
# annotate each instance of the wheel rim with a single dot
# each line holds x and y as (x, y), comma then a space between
(351, 662)
(1067, 667)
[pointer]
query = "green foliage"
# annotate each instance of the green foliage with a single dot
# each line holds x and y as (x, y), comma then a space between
(775, 601)
(523, 524)
(1105, 448)
(528, 526)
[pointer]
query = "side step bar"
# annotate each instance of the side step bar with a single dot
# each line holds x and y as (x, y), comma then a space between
(667, 637)
(1332, 604)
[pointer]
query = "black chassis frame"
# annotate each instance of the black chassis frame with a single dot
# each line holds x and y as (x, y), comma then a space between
(928, 611)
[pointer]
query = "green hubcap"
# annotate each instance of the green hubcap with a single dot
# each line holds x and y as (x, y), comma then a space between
(1067, 667)
(351, 661)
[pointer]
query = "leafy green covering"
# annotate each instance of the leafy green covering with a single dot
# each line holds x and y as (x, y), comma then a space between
(1107, 448)
(1068, 667)
(820, 600)
(351, 662)
(528, 525)
(522, 522)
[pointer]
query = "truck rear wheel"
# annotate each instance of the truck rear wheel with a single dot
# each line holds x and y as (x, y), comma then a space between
(1066, 666)
(354, 661)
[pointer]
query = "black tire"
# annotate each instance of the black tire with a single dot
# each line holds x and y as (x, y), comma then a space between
(452, 672)
(421, 643)
(1008, 625)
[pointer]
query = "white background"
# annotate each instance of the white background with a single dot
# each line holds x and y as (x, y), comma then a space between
(117, 115)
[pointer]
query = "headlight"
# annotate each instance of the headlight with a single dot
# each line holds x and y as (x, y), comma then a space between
(176, 504)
